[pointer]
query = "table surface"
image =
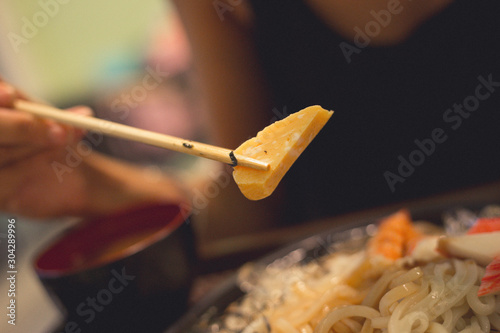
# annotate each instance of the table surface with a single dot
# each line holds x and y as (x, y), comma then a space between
(36, 313)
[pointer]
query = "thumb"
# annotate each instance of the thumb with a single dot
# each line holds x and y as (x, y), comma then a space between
(7, 94)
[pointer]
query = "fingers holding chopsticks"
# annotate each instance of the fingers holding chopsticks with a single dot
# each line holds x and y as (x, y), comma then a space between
(19, 129)
(22, 135)
(29, 147)
(7, 94)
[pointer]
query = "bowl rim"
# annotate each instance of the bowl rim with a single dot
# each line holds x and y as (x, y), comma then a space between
(182, 216)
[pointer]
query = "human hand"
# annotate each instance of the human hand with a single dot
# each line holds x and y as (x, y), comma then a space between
(29, 149)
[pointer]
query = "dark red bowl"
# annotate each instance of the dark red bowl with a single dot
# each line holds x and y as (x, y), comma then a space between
(127, 272)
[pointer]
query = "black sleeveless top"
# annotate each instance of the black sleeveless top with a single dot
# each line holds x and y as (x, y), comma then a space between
(413, 119)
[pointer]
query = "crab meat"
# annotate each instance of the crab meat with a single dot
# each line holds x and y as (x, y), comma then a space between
(485, 224)
(490, 283)
(482, 247)
(426, 249)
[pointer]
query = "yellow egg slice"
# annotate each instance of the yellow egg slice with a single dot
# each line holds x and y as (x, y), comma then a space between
(279, 144)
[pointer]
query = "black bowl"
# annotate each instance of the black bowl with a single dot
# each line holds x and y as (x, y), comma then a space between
(128, 272)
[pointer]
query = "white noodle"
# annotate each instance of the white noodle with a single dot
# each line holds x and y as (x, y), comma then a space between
(436, 328)
(377, 290)
(410, 276)
(394, 295)
(380, 322)
(483, 306)
(495, 320)
(353, 325)
(344, 312)
(457, 313)
(484, 323)
(435, 297)
(285, 327)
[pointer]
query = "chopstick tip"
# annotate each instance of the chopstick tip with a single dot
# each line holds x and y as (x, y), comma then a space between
(248, 162)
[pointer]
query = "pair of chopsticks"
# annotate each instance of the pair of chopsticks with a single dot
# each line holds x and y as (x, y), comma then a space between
(136, 134)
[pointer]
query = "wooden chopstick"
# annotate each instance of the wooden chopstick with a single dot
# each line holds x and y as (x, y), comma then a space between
(136, 134)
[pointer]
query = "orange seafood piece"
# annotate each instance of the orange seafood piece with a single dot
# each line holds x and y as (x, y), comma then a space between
(396, 236)
(485, 224)
(490, 283)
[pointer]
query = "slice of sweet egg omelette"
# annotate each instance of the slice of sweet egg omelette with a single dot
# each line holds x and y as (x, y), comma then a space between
(279, 145)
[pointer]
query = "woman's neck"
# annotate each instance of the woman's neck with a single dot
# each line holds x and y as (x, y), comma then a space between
(385, 21)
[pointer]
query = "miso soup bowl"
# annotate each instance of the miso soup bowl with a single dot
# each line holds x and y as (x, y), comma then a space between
(127, 272)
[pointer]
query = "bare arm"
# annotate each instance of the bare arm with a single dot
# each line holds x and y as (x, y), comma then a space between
(239, 105)
(226, 63)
